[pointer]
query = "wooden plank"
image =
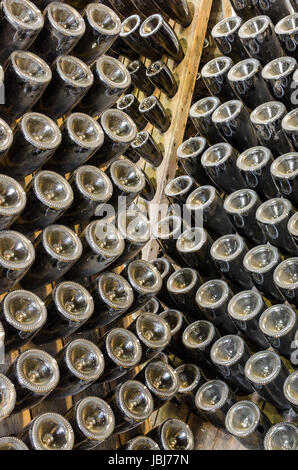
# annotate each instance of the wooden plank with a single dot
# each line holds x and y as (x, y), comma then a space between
(227, 8)
(194, 37)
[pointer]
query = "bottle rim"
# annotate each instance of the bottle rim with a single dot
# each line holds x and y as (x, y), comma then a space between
(121, 400)
(269, 263)
(200, 144)
(67, 257)
(125, 363)
(215, 303)
(176, 274)
(39, 21)
(26, 382)
(192, 327)
(229, 206)
(279, 27)
(292, 321)
(89, 303)
(105, 195)
(112, 62)
(132, 232)
(286, 210)
(157, 20)
(99, 134)
(13, 441)
(157, 229)
(293, 225)
(98, 360)
(158, 343)
(20, 325)
(5, 128)
(291, 173)
(170, 191)
(234, 108)
(268, 73)
(124, 304)
(259, 304)
(227, 150)
(164, 393)
(81, 27)
(280, 427)
(240, 350)
(255, 411)
(205, 387)
(211, 193)
(146, 267)
(213, 100)
(187, 431)
(8, 396)
(88, 77)
(194, 383)
(266, 154)
(105, 409)
(115, 31)
(47, 74)
(222, 64)
(232, 24)
(137, 23)
(28, 246)
(178, 317)
(64, 203)
(227, 238)
(19, 205)
(50, 145)
(262, 355)
(292, 398)
(264, 22)
(95, 243)
(58, 420)
(120, 115)
(283, 284)
(138, 443)
(254, 65)
(257, 116)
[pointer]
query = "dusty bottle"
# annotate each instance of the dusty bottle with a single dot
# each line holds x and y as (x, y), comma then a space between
(12, 443)
(246, 423)
(36, 138)
(64, 27)
(80, 363)
(212, 299)
(284, 171)
(103, 26)
(92, 188)
(26, 78)
(213, 400)
(290, 127)
(286, 31)
(8, 399)
(48, 431)
(132, 403)
(174, 435)
(119, 132)
(138, 76)
(290, 389)
(229, 354)
(82, 136)
(111, 80)
(254, 165)
(130, 105)
(285, 278)
(161, 380)
(113, 298)
(233, 123)
(152, 109)
(279, 324)
(57, 249)
(241, 207)
(200, 114)
(34, 374)
(273, 217)
(17, 255)
(247, 81)
(190, 379)
(225, 36)
(12, 201)
(92, 421)
(23, 314)
(281, 436)
(206, 207)
(189, 154)
(147, 148)
(68, 306)
(260, 262)
(71, 80)
(21, 22)
(162, 77)
(182, 286)
(259, 39)
(245, 309)
(157, 31)
(228, 253)
(267, 374)
(219, 162)
(122, 352)
(194, 246)
(215, 77)
(130, 34)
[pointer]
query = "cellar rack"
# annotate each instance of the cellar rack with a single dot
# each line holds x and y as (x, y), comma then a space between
(192, 39)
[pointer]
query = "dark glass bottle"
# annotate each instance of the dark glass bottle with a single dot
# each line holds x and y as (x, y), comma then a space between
(71, 80)
(247, 81)
(284, 171)
(215, 77)
(260, 262)
(212, 299)
(63, 28)
(166, 232)
(228, 253)
(246, 9)
(245, 309)
(92, 421)
(119, 132)
(290, 390)
(21, 22)
(225, 36)
(35, 374)
(25, 80)
(80, 363)
(165, 269)
(190, 379)
(279, 325)
(246, 423)
(103, 26)
(162, 77)
(36, 138)
(273, 217)
(198, 339)
(254, 165)
(293, 227)
(286, 31)
(111, 80)
(130, 35)
(183, 285)
(290, 126)
(201, 113)
(48, 197)
(173, 435)
(178, 189)
(8, 399)
(241, 207)
(152, 109)
(274, 9)
(267, 373)
(177, 323)
(23, 314)
(141, 443)
(206, 208)
(6, 135)
(147, 148)
(48, 431)
(189, 154)
(82, 136)
(113, 298)
(279, 75)
(229, 355)
(281, 436)
(219, 162)
(17, 255)
(177, 10)
(138, 76)
(12, 201)
(69, 306)
(12, 443)
(130, 105)
(285, 278)
(259, 39)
